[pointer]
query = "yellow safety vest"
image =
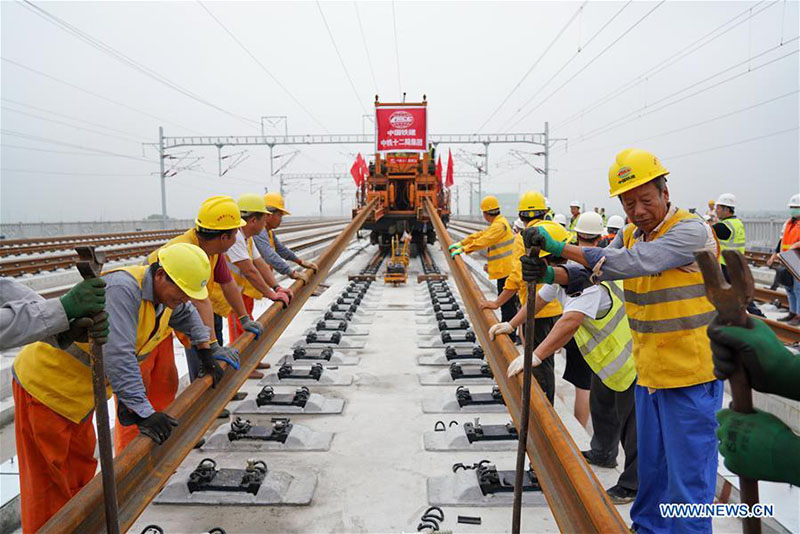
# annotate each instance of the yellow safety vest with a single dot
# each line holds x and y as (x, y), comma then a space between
(736, 241)
(218, 301)
(515, 282)
(498, 240)
(62, 379)
(606, 342)
(247, 288)
(668, 313)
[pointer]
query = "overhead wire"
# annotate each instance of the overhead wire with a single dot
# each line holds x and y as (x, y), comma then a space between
(728, 145)
(534, 65)
(67, 173)
(341, 60)
(91, 130)
(262, 66)
(681, 54)
(621, 36)
(128, 61)
(30, 137)
(397, 53)
(366, 48)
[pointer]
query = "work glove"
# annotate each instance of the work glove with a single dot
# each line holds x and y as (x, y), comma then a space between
(228, 355)
(209, 365)
(536, 270)
(157, 427)
(279, 297)
(457, 244)
(759, 446)
(456, 251)
(285, 290)
(310, 265)
(538, 236)
(770, 366)
(249, 325)
(300, 275)
(500, 328)
(86, 299)
(81, 329)
(518, 364)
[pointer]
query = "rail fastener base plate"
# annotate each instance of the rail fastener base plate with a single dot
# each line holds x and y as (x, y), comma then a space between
(300, 438)
(462, 489)
(443, 378)
(455, 439)
(316, 403)
(330, 377)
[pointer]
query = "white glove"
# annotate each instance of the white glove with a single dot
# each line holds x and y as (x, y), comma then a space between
(500, 328)
(516, 366)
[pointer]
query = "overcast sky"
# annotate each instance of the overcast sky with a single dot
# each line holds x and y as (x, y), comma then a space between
(710, 87)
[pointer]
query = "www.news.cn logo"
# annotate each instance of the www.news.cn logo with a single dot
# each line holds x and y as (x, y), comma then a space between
(693, 510)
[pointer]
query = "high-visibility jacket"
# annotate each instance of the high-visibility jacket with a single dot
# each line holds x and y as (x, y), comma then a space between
(572, 222)
(514, 281)
(736, 241)
(62, 379)
(218, 301)
(247, 288)
(668, 313)
(791, 234)
(498, 240)
(606, 343)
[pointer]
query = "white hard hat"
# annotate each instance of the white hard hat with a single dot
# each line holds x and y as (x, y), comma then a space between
(519, 225)
(560, 219)
(589, 223)
(575, 204)
(547, 202)
(794, 202)
(727, 199)
(615, 221)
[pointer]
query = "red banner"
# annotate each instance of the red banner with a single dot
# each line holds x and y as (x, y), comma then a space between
(401, 128)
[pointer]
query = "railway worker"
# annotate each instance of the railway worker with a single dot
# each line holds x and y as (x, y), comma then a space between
(52, 387)
(250, 271)
(532, 209)
(561, 219)
(26, 317)
(275, 253)
(498, 240)
(615, 223)
(216, 225)
(711, 215)
(518, 226)
(758, 445)
(790, 239)
(595, 321)
(575, 212)
(677, 393)
(730, 233)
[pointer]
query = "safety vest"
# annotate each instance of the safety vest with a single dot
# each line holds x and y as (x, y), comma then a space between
(736, 241)
(553, 308)
(572, 222)
(62, 379)
(247, 288)
(218, 301)
(606, 342)
(271, 235)
(668, 313)
(499, 255)
(791, 234)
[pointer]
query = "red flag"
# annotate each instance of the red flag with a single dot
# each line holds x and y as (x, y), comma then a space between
(449, 180)
(356, 171)
(364, 168)
(439, 169)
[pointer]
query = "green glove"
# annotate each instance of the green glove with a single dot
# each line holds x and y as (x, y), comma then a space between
(81, 329)
(536, 270)
(457, 244)
(86, 299)
(538, 236)
(770, 366)
(455, 252)
(759, 446)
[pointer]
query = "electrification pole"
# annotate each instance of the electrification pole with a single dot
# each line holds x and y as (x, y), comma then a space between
(546, 159)
(163, 177)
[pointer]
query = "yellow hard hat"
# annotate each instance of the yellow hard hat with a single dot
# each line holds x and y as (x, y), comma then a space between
(556, 231)
(490, 203)
(711, 203)
(188, 266)
(253, 203)
(632, 168)
(274, 201)
(219, 213)
(532, 201)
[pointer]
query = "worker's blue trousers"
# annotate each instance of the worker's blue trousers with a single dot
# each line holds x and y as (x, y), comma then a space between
(677, 454)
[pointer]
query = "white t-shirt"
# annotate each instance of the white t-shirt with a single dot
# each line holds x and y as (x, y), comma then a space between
(239, 252)
(593, 302)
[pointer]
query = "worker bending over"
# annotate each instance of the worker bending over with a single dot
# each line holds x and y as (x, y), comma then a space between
(26, 317)
(790, 239)
(251, 273)
(52, 387)
(532, 209)
(498, 240)
(275, 253)
(677, 394)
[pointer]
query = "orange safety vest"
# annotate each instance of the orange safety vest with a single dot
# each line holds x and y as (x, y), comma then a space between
(791, 234)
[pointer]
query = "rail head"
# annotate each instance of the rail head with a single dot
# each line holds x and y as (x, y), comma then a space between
(577, 500)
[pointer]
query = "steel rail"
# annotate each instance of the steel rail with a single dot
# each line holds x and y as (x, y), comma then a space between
(577, 500)
(786, 333)
(143, 468)
(764, 294)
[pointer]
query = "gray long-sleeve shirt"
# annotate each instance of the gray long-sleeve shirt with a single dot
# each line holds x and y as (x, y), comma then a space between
(277, 256)
(123, 299)
(26, 317)
(674, 249)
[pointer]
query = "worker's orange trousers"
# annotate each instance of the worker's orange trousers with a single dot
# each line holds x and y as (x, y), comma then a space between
(56, 458)
(160, 377)
(234, 326)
